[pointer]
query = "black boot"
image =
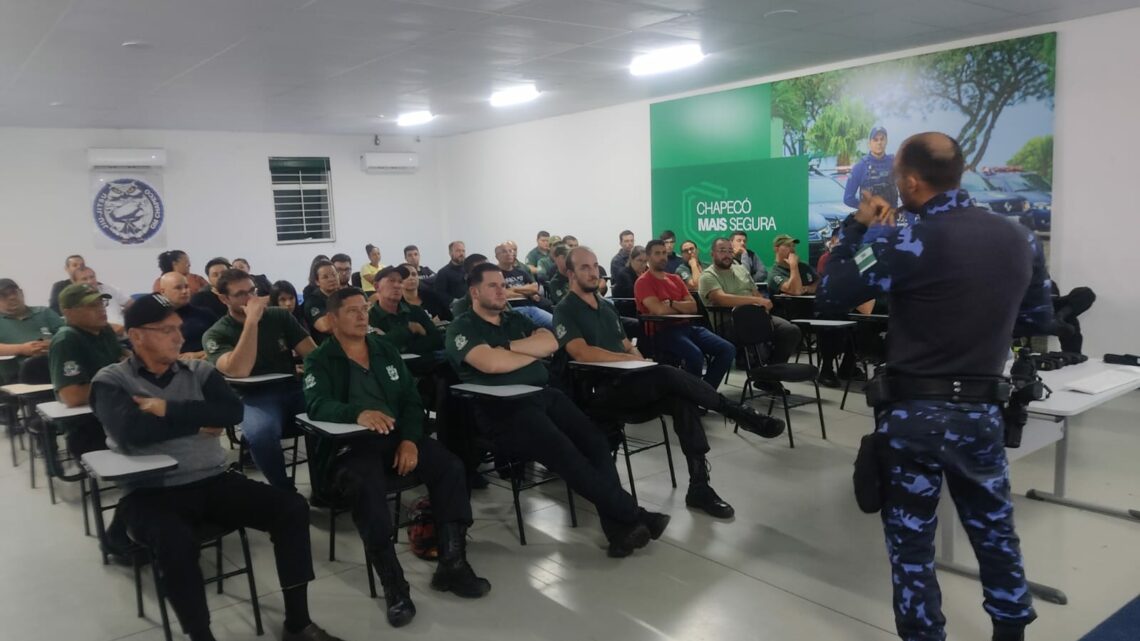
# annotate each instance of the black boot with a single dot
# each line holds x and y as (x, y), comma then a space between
(701, 495)
(401, 610)
(454, 574)
(751, 419)
(1008, 632)
(655, 522)
(627, 539)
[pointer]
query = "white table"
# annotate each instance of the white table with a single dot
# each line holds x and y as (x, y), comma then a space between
(328, 428)
(20, 389)
(661, 318)
(106, 465)
(409, 357)
(257, 380)
(497, 391)
(54, 410)
(821, 322)
(7, 358)
(619, 365)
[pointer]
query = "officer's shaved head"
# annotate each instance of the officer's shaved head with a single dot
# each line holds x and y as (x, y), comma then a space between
(934, 158)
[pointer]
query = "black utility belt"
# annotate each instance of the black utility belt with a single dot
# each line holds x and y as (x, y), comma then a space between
(885, 389)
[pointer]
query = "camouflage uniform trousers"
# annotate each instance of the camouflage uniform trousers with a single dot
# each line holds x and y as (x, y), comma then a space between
(964, 443)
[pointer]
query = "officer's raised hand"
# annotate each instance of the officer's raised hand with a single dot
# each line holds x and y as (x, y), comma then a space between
(874, 209)
(376, 421)
(254, 308)
(407, 457)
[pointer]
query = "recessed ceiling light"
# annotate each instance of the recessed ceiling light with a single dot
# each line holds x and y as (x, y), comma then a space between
(137, 44)
(55, 103)
(413, 118)
(780, 12)
(668, 59)
(514, 96)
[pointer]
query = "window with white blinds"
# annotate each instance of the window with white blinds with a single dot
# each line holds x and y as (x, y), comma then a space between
(302, 199)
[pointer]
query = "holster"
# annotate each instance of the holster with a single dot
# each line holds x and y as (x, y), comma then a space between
(887, 388)
(870, 477)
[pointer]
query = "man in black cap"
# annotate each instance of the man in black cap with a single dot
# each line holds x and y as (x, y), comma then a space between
(154, 403)
(24, 331)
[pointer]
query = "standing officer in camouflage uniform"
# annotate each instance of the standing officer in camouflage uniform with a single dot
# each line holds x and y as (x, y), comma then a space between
(949, 335)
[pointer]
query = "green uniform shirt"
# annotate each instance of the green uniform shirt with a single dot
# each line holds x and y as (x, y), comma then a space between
(395, 328)
(75, 355)
(277, 334)
(314, 309)
(338, 390)
(547, 267)
(461, 306)
(14, 331)
(686, 272)
(557, 288)
(535, 255)
(468, 331)
(735, 281)
(600, 327)
(780, 273)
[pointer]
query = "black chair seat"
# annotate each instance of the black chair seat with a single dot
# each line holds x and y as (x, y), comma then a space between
(784, 372)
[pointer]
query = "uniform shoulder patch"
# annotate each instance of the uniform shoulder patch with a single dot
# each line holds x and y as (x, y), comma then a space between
(865, 259)
(211, 345)
(393, 373)
(70, 368)
(460, 341)
(560, 331)
(310, 381)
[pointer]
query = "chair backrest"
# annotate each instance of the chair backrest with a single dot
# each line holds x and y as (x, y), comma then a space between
(753, 334)
(704, 312)
(35, 371)
(355, 280)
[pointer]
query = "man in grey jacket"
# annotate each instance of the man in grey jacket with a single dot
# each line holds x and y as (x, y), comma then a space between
(153, 403)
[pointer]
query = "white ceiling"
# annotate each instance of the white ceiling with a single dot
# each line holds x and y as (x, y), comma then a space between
(334, 66)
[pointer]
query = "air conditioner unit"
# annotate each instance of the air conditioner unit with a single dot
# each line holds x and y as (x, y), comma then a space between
(123, 158)
(402, 162)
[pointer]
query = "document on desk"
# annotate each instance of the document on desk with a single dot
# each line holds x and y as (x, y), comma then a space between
(1107, 380)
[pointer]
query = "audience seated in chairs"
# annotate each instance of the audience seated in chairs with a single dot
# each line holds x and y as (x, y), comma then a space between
(450, 280)
(326, 275)
(177, 260)
(284, 295)
(195, 320)
(420, 294)
(153, 403)
(589, 329)
(343, 265)
(261, 281)
(359, 378)
(208, 298)
(71, 264)
(22, 329)
(412, 257)
(663, 294)
(492, 346)
(254, 339)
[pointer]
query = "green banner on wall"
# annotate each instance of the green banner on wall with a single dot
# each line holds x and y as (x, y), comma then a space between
(762, 198)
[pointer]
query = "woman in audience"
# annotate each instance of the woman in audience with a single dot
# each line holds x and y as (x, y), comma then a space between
(323, 273)
(368, 271)
(691, 267)
(283, 294)
(176, 260)
(424, 297)
(312, 286)
(637, 265)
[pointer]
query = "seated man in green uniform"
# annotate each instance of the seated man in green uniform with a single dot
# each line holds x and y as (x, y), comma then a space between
(491, 346)
(559, 284)
(407, 327)
(24, 331)
(355, 377)
(589, 329)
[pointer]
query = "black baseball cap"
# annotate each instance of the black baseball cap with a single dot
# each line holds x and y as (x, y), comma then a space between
(146, 310)
(389, 270)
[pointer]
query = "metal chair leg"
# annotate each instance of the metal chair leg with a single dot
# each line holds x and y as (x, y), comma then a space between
(396, 519)
(161, 594)
(218, 562)
(628, 464)
(252, 583)
(819, 405)
(518, 508)
(371, 574)
(83, 502)
(332, 533)
(787, 418)
(570, 502)
(668, 451)
(136, 561)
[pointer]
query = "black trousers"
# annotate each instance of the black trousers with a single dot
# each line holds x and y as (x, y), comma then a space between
(673, 390)
(363, 474)
(1066, 309)
(834, 343)
(165, 519)
(549, 428)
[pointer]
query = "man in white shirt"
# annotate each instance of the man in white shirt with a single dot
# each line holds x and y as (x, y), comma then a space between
(116, 306)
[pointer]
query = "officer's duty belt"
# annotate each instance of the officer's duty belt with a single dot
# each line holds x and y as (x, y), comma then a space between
(967, 389)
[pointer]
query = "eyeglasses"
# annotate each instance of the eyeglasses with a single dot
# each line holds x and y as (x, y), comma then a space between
(245, 293)
(168, 330)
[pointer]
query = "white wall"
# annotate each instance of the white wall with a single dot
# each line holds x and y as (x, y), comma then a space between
(218, 200)
(589, 173)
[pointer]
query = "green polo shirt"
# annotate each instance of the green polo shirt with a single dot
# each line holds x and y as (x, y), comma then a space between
(75, 355)
(601, 327)
(686, 272)
(277, 334)
(780, 273)
(557, 288)
(735, 281)
(15, 330)
(395, 328)
(535, 255)
(468, 331)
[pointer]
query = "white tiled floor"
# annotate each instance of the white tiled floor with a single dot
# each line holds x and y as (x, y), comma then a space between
(798, 562)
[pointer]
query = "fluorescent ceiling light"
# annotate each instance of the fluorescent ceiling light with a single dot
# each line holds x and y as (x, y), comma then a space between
(413, 118)
(514, 96)
(664, 60)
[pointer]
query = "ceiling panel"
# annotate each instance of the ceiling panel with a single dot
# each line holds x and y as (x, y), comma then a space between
(520, 27)
(595, 14)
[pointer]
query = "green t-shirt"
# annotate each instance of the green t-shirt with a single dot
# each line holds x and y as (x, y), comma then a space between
(75, 355)
(314, 309)
(469, 331)
(685, 272)
(601, 327)
(14, 331)
(780, 273)
(736, 281)
(547, 267)
(557, 288)
(395, 328)
(535, 255)
(277, 334)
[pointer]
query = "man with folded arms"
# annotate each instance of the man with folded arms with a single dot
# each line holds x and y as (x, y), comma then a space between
(154, 403)
(590, 330)
(360, 378)
(490, 345)
(25, 331)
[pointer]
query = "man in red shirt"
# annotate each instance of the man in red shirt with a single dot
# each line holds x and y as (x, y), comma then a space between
(660, 293)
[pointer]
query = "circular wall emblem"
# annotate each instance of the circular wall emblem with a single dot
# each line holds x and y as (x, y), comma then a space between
(128, 211)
